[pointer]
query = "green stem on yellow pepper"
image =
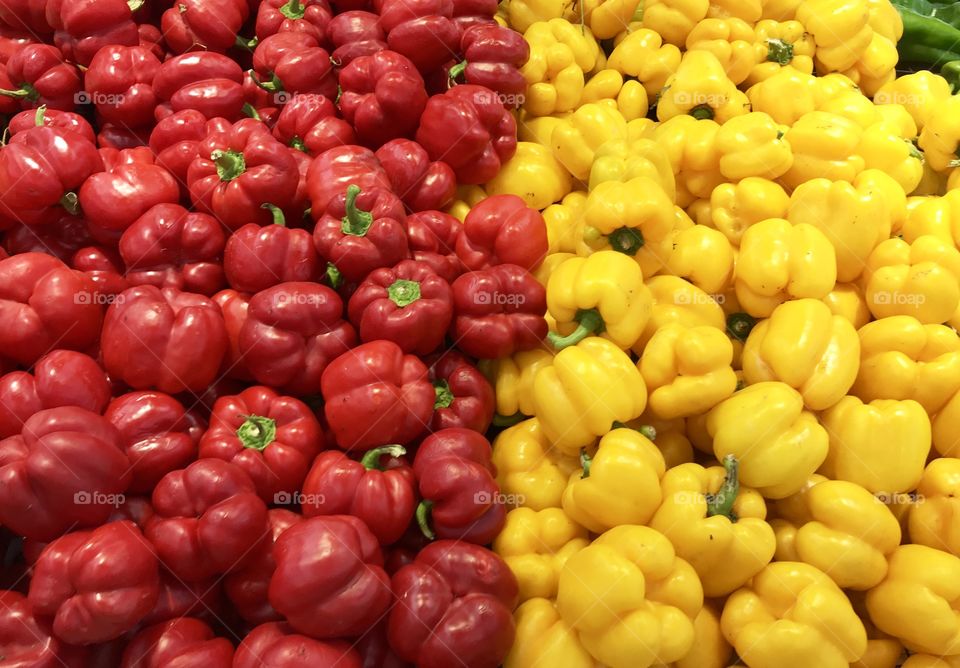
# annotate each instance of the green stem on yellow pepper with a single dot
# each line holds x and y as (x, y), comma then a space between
(721, 503)
(589, 322)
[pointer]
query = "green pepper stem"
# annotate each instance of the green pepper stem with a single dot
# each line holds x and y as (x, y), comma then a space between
(721, 503)
(298, 144)
(626, 240)
(739, 325)
(586, 461)
(444, 397)
(25, 92)
(371, 460)
(589, 322)
(70, 202)
(455, 72)
(702, 112)
(423, 519)
(230, 164)
(135, 5)
(508, 420)
(779, 51)
(403, 292)
(646, 430)
(276, 212)
(293, 10)
(250, 111)
(247, 44)
(333, 275)
(40, 117)
(951, 72)
(356, 222)
(257, 432)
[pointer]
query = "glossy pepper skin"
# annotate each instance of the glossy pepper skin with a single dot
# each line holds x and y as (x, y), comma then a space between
(83, 28)
(379, 489)
(307, 16)
(309, 123)
(560, 55)
(623, 160)
(588, 387)
(448, 587)
(275, 644)
(464, 398)
(329, 581)
(193, 25)
(39, 76)
(576, 138)
(383, 97)
(542, 635)
(939, 139)
(930, 523)
(355, 33)
(618, 484)
(777, 443)
(824, 144)
(457, 482)
(164, 339)
(421, 30)
(256, 258)
(492, 57)
(334, 170)
(208, 82)
(701, 88)
(651, 616)
(502, 230)
(468, 128)
(512, 377)
(120, 80)
(534, 174)
(208, 519)
(271, 437)
(288, 64)
(793, 609)
(529, 468)
(498, 311)
(183, 640)
(291, 332)
(407, 304)
(420, 183)
(375, 395)
(29, 640)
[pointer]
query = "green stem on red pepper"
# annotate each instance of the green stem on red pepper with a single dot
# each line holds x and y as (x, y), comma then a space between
(423, 519)
(626, 240)
(134, 5)
(250, 111)
(230, 164)
(293, 10)
(356, 222)
(71, 203)
(455, 72)
(403, 292)
(333, 275)
(722, 502)
(40, 117)
(444, 397)
(246, 44)
(371, 460)
(589, 321)
(276, 212)
(25, 92)
(257, 432)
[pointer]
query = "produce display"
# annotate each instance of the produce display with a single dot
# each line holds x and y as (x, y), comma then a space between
(438, 333)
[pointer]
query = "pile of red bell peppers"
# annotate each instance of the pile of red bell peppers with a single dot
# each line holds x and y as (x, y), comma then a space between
(241, 422)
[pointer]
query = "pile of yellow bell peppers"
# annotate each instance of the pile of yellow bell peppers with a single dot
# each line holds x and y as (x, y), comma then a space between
(740, 444)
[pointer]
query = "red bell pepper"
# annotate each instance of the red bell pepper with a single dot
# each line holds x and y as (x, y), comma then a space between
(376, 395)
(113, 200)
(310, 123)
(503, 230)
(138, 510)
(257, 258)
(238, 170)
(96, 584)
(44, 305)
(355, 33)
(233, 305)
(104, 268)
(464, 396)
(203, 25)
(276, 645)
(421, 30)
(382, 97)
(468, 13)
(40, 76)
(29, 16)
(407, 304)
(27, 640)
(209, 519)
(293, 63)
(60, 378)
(152, 39)
(306, 16)
(362, 230)
(113, 158)
(422, 184)
(11, 41)
(164, 339)
(455, 607)
(52, 118)
(61, 238)
(175, 140)
(374, 648)
(469, 128)
(122, 137)
(433, 239)
(337, 168)
(382, 494)
(178, 642)
(170, 247)
(83, 27)
(329, 581)
(492, 57)
(498, 311)
(157, 433)
(457, 481)
(271, 437)
(209, 82)
(291, 333)
(247, 588)
(184, 599)
(119, 82)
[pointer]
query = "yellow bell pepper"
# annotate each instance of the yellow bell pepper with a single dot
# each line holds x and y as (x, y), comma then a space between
(610, 16)
(692, 149)
(545, 271)
(716, 525)
(544, 640)
(840, 528)
(642, 54)
(619, 483)
(467, 197)
(847, 301)
(806, 346)
(608, 87)
(537, 129)
(932, 519)
(748, 11)
(946, 426)
(840, 28)
(625, 160)
(918, 279)
(777, 442)
(700, 214)
(940, 136)
(885, 19)
(919, 92)
(536, 544)
(687, 370)
(779, 261)
(930, 661)
(674, 19)
(577, 137)
(777, 45)
(787, 95)
(898, 117)
(702, 255)
(534, 175)
(938, 216)
(710, 649)
(700, 87)
(793, 616)
(669, 436)
(824, 145)
(512, 380)
(731, 40)
(561, 220)
(560, 55)
(678, 301)
(780, 10)
(883, 651)
(521, 14)
(530, 468)
(753, 145)
(632, 600)
(854, 217)
(917, 601)
(877, 65)
(901, 358)
(600, 294)
(588, 387)
(882, 445)
(884, 149)
(736, 206)
(852, 105)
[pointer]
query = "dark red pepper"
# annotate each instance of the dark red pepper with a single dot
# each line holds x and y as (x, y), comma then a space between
(374, 647)
(184, 599)
(83, 27)
(468, 13)
(175, 139)
(502, 229)
(61, 238)
(209, 82)
(40, 76)
(276, 645)
(119, 83)
(421, 184)
(257, 258)
(122, 137)
(233, 305)
(492, 57)
(27, 640)
(464, 396)
(422, 30)
(29, 16)
(178, 642)
(309, 123)
(433, 239)
(355, 33)
(203, 25)
(306, 16)
(293, 63)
